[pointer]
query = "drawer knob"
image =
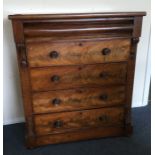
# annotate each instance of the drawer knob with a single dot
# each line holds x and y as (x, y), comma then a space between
(106, 51)
(55, 78)
(58, 124)
(54, 54)
(103, 118)
(104, 97)
(104, 75)
(56, 101)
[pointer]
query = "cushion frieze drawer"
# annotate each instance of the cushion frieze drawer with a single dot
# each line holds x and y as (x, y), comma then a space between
(80, 98)
(54, 78)
(71, 53)
(68, 121)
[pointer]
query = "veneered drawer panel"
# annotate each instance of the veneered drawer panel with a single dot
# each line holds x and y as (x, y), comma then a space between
(67, 121)
(54, 78)
(71, 53)
(80, 98)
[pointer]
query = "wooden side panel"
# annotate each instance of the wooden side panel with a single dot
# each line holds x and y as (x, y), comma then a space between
(69, 121)
(25, 79)
(78, 76)
(137, 26)
(131, 71)
(71, 53)
(130, 79)
(18, 31)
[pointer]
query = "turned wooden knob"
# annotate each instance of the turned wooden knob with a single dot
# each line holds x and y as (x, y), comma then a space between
(104, 97)
(58, 123)
(56, 101)
(104, 75)
(103, 118)
(54, 54)
(106, 51)
(55, 78)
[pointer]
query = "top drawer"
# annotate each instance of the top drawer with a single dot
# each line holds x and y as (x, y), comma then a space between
(78, 27)
(77, 52)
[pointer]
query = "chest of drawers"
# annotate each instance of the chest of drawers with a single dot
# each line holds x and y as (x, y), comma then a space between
(77, 74)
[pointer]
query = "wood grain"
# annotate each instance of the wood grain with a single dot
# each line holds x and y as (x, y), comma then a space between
(25, 80)
(45, 124)
(77, 24)
(71, 53)
(77, 76)
(80, 98)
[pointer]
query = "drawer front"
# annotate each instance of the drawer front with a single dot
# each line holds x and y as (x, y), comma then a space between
(80, 98)
(68, 121)
(54, 78)
(71, 53)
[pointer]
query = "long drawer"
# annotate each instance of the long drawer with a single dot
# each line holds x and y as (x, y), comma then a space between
(76, 52)
(69, 121)
(79, 98)
(65, 77)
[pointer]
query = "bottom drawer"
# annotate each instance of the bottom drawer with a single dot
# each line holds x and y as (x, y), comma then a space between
(69, 121)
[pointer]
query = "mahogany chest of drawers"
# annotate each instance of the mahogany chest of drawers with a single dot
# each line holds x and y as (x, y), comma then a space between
(77, 74)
